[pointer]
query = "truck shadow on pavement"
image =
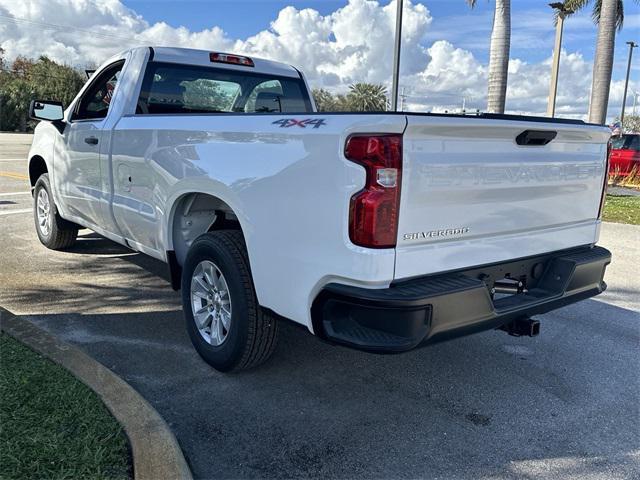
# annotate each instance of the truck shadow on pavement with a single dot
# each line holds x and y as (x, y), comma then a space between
(564, 403)
(93, 244)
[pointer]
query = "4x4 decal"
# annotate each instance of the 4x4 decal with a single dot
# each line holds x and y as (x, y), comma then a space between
(290, 122)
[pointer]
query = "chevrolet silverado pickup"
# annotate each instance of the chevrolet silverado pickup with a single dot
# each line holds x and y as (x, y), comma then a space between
(382, 231)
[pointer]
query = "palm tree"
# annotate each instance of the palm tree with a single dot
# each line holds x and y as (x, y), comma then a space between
(367, 97)
(576, 5)
(325, 102)
(498, 55)
(609, 15)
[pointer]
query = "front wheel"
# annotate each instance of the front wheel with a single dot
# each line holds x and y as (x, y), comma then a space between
(226, 324)
(53, 231)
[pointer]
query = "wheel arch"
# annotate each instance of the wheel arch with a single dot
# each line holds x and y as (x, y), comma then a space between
(42, 152)
(37, 166)
(191, 214)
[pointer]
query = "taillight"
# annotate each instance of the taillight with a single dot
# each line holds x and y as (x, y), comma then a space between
(373, 212)
(606, 180)
(232, 59)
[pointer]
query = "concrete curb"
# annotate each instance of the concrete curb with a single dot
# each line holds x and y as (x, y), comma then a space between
(155, 450)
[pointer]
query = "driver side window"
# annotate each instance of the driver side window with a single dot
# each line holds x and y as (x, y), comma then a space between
(95, 102)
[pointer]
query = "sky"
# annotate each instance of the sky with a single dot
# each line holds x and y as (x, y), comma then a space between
(339, 42)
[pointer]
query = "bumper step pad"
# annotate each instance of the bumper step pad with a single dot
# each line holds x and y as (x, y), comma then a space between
(433, 308)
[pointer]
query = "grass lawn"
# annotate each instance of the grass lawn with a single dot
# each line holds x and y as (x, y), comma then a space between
(622, 209)
(51, 425)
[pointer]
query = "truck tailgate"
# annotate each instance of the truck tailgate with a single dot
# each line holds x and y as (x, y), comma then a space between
(472, 195)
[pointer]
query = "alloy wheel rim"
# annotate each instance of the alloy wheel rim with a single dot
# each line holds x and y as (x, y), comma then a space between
(43, 212)
(210, 303)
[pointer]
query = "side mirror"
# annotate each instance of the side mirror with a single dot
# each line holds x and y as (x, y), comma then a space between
(49, 111)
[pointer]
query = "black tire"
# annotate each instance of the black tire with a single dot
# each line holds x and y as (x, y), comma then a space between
(60, 233)
(252, 334)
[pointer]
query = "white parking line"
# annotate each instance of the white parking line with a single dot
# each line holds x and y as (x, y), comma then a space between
(11, 194)
(9, 212)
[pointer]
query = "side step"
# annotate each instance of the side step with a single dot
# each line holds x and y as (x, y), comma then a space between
(522, 327)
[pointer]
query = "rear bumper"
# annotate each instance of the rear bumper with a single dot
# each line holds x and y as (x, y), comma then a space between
(439, 307)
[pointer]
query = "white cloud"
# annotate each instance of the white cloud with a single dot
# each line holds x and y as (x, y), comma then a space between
(353, 43)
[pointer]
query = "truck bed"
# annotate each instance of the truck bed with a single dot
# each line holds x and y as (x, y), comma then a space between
(290, 184)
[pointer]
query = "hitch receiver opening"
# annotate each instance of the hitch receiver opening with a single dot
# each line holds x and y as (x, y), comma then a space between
(522, 327)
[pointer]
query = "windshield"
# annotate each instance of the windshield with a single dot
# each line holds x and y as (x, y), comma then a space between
(627, 142)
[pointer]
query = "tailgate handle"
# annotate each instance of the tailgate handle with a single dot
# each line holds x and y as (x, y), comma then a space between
(536, 137)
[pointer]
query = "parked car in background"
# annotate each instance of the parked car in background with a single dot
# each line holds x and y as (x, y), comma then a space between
(625, 154)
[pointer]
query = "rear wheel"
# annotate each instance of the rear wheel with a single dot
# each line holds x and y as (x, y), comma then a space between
(226, 324)
(53, 231)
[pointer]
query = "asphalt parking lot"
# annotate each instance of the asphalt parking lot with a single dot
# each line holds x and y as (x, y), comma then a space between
(565, 404)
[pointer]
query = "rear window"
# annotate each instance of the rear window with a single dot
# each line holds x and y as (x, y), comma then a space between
(627, 142)
(186, 89)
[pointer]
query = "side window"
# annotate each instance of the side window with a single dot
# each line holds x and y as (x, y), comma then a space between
(95, 102)
(268, 94)
(282, 95)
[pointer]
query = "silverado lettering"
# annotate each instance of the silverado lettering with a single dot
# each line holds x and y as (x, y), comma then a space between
(436, 233)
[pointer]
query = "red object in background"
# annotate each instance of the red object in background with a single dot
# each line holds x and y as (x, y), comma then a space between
(107, 97)
(625, 154)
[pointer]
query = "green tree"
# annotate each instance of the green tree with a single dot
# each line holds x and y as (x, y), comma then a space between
(15, 93)
(631, 123)
(367, 97)
(362, 97)
(207, 92)
(498, 55)
(52, 81)
(344, 104)
(325, 101)
(3, 74)
(26, 80)
(609, 16)
(596, 9)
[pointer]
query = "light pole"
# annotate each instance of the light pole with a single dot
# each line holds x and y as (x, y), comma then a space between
(562, 12)
(403, 96)
(632, 45)
(396, 57)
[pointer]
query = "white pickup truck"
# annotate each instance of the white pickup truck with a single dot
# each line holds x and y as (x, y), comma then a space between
(380, 231)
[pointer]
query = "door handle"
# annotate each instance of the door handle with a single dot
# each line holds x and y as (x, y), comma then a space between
(536, 137)
(91, 140)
